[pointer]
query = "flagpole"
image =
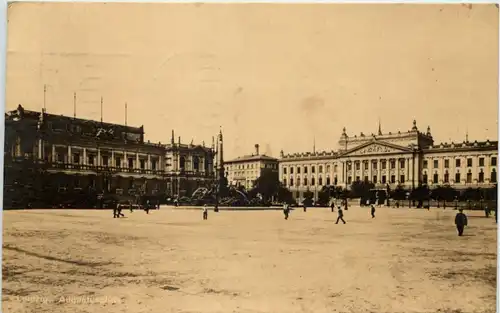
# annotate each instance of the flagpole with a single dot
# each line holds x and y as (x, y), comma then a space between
(125, 113)
(44, 97)
(74, 105)
(101, 109)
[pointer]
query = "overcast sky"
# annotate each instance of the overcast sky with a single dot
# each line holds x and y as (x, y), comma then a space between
(275, 74)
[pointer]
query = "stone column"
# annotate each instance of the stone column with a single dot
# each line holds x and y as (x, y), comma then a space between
(40, 149)
(54, 157)
(98, 163)
(136, 160)
(69, 160)
(125, 159)
(148, 165)
(397, 170)
(113, 164)
(370, 170)
(84, 159)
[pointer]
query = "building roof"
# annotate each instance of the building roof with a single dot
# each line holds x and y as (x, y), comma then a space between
(253, 157)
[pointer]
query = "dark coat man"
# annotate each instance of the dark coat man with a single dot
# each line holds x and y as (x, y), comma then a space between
(460, 221)
(373, 211)
(341, 216)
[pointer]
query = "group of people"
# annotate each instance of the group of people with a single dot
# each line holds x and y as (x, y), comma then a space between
(117, 210)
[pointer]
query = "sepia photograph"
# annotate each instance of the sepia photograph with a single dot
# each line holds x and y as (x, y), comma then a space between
(250, 157)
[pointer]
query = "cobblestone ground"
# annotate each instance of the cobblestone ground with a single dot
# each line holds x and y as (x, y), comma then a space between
(404, 260)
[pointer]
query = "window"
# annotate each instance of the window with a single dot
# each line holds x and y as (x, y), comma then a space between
(328, 181)
(153, 165)
(118, 162)
(298, 170)
(366, 179)
(424, 165)
(313, 181)
(402, 163)
(357, 178)
(284, 170)
(457, 178)
(91, 159)
(393, 164)
(196, 163)
(493, 176)
(493, 161)
(320, 169)
(328, 168)
(142, 163)
(305, 169)
(130, 163)
(335, 181)
(436, 163)
(481, 161)
(435, 178)
(291, 182)
(446, 163)
(357, 166)
(384, 165)
(383, 179)
(320, 181)
(284, 181)
(349, 180)
(313, 169)
(469, 177)
(76, 158)
(457, 163)
(375, 179)
(298, 181)
(393, 179)
(182, 162)
(105, 160)
(374, 165)
(291, 170)
(402, 179)
(481, 177)
(349, 166)
(366, 166)
(469, 162)
(425, 179)
(305, 181)
(446, 177)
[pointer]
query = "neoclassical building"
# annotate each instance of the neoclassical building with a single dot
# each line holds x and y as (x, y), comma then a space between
(45, 151)
(244, 170)
(407, 158)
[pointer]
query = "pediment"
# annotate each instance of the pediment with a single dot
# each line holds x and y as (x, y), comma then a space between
(377, 147)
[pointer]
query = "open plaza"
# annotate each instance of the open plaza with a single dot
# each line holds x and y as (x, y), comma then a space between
(170, 260)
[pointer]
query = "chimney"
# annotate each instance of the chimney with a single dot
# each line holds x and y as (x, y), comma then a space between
(257, 149)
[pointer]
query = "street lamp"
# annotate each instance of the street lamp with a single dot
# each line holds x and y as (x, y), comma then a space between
(347, 162)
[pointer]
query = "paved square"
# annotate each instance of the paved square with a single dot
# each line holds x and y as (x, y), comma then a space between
(173, 261)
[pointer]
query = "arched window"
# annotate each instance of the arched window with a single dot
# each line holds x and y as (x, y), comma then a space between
(320, 169)
(493, 176)
(481, 176)
(182, 162)
(305, 180)
(320, 181)
(435, 178)
(446, 177)
(284, 181)
(196, 163)
(313, 181)
(291, 182)
(425, 179)
(328, 181)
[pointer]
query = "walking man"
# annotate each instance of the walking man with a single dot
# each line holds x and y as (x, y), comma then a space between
(460, 221)
(341, 216)
(333, 205)
(305, 207)
(205, 212)
(286, 210)
(486, 211)
(373, 211)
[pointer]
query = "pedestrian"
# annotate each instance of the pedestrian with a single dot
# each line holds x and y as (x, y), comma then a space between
(286, 210)
(333, 205)
(460, 221)
(341, 216)
(373, 211)
(205, 212)
(486, 211)
(147, 207)
(305, 206)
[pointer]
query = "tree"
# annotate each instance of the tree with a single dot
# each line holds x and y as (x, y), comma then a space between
(267, 185)
(399, 193)
(361, 189)
(324, 195)
(308, 197)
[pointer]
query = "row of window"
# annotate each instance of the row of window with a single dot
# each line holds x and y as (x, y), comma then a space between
(458, 162)
(468, 177)
(392, 179)
(106, 161)
(313, 169)
(251, 166)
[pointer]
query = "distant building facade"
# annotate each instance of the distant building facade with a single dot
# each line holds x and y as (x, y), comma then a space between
(48, 150)
(243, 171)
(408, 159)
